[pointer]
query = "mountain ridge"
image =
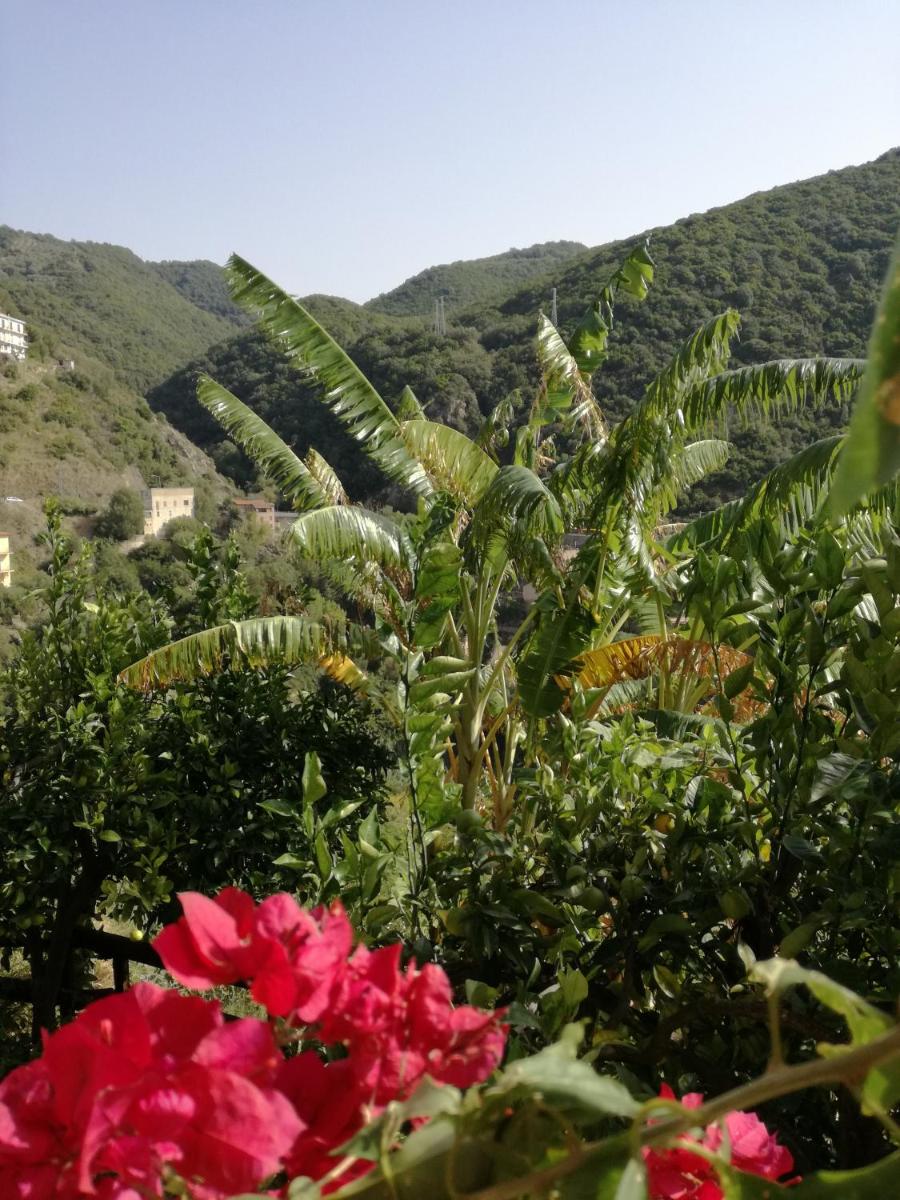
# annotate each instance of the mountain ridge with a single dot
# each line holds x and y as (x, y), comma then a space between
(467, 280)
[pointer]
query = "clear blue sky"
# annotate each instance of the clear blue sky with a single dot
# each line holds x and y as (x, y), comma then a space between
(342, 145)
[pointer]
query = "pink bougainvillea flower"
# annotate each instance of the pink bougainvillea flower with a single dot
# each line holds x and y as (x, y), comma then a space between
(36, 1153)
(138, 1084)
(399, 1025)
(289, 955)
(212, 1127)
(301, 956)
(753, 1148)
(332, 1106)
(211, 944)
(675, 1173)
(150, 1085)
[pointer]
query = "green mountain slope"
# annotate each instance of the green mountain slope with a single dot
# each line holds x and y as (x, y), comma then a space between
(476, 280)
(106, 302)
(80, 435)
(803, 263)
(202, 283)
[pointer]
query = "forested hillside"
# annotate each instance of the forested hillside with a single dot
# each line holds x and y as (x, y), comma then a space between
(803, 264)
(475, 280)
(129, 314)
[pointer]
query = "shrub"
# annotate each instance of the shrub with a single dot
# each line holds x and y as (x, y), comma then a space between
(123, 516)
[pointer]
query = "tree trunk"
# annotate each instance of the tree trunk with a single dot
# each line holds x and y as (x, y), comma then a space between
(76, 901)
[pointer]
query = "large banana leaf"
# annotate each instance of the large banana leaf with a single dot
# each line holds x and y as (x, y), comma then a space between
(614, 662)
(561, 635)
(258, 642)
(872, 456)
(686, 466)
(636, 273)
(408, 406)
(516, 493)
(638, 657)
(326, 477)
(348, 392)
(262, 444)
(566, 389)
(771, 389)
(343, 532)
(343, 669)
(704, 353)
(791, 495)
(587, 345)
(453, 462)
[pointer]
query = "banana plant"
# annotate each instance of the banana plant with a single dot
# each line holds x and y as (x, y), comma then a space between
(429, 581)
(618, 488)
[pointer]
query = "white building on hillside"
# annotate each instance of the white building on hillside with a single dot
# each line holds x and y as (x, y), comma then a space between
(13, 342)
(165, 505)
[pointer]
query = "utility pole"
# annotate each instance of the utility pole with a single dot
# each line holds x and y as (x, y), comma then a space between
(440, 317)
(553, 307)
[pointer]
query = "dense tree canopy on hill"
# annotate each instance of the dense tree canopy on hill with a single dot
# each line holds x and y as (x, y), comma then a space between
(802, 263)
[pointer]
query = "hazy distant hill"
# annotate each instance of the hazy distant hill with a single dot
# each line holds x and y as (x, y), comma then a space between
(474, 280)
(105, 300)
(804, 264)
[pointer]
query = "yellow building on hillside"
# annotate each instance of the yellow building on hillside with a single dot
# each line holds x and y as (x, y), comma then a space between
(5, 561)
(165, 505)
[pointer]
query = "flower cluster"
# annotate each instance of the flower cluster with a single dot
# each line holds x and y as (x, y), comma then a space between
(676, 1173)
(153, 1087)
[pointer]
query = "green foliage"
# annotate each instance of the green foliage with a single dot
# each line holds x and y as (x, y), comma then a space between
(123, 517)
(82, 441)
(548, 1124)
(802, 264)
(616, 845)
(203, 284)
(113, 800)
(346, 390)
(623, 870)
(293, 477)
